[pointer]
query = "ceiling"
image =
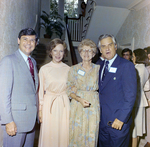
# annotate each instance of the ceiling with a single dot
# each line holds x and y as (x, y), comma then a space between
(128, 4)
(109, 16)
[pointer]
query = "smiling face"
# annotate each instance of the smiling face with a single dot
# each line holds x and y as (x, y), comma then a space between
(108, 48)
(87, 53)
(57, 53)
(27, 44)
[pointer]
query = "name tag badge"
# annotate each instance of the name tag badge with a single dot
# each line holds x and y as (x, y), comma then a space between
(81, 72)
(113, 69)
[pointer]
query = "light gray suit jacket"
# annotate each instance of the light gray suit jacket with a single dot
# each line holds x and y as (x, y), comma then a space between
(18, 93)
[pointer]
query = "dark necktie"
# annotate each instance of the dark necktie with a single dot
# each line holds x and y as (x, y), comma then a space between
(31, 68)
(105, 70)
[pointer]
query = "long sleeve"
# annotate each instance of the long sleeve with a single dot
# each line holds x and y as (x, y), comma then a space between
(41, 88)
(147, 86)
(70, 81)
(143, 74)
(6, 86)
(129, 83)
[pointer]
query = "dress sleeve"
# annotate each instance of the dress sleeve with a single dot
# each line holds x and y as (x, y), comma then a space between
(147, 86)
(41, 89)
(142, 74)
(71, 86)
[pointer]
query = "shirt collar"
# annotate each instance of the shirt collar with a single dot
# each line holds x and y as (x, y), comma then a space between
(102, 58)
(111, 61)
(25, 57)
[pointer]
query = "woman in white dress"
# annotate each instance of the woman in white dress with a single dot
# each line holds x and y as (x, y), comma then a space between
(139, 60)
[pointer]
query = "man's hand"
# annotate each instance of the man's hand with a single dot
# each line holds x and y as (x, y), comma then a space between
(11, 128)
(117, 124)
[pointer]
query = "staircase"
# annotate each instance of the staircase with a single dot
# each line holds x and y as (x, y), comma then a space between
(41, 55)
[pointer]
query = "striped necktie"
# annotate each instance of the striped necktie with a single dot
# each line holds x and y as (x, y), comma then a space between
(31, 68)
(105, 70)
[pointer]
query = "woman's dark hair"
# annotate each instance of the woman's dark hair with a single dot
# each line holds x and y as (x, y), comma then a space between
(141, 56)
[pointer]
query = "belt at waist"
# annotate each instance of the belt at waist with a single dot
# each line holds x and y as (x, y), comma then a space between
(53, 93)
(55, 96)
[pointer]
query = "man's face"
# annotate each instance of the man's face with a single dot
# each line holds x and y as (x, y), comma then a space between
(126, 55)
(108, 48)
(27, 44)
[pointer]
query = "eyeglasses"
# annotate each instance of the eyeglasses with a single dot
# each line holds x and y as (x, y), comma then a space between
(126, 55)
(87, 50)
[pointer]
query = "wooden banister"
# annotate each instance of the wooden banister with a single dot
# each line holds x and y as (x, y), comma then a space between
(72, 51)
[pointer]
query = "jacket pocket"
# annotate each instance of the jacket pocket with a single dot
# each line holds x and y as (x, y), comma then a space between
(19, 107)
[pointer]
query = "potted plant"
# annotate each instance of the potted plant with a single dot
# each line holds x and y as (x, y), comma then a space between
(52, 22)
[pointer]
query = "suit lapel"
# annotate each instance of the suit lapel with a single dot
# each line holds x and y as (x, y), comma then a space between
(100, 71)
(35, 75)
(109, 74)
(25, 68)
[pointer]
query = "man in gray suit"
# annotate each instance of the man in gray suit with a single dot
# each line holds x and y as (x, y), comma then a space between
(18, 95)
(1, 137)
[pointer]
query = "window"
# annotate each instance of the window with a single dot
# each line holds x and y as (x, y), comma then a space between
(71, 8)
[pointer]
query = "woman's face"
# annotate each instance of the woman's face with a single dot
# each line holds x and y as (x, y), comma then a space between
(148, 56)
(87, 53)
(133, 58)
(57, 53)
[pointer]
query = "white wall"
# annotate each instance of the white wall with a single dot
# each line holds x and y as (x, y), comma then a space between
(45, 6)
(137, 26)
(106, 20)
(14, 16)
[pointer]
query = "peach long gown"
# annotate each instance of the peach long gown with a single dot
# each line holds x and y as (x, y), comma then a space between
(54, 103)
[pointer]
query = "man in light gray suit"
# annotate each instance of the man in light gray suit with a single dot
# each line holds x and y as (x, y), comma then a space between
(1, 137)
(18, 94)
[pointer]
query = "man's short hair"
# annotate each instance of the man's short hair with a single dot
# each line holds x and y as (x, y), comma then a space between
(106, 36)
(28, 31)
(126, 50)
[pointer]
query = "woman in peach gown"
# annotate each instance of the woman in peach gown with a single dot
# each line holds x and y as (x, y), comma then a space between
(53, 100)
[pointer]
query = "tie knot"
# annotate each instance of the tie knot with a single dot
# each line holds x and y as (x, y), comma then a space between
(106, 62)
(29, 58)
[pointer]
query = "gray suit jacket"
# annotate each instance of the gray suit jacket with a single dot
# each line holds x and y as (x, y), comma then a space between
(18, 93)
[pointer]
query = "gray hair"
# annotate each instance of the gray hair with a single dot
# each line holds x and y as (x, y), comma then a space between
(87, 42)
(106, 36)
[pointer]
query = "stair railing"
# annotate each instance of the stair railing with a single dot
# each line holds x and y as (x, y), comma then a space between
(75, 26)
(70, 46)
(78, 26)
(86, 21)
